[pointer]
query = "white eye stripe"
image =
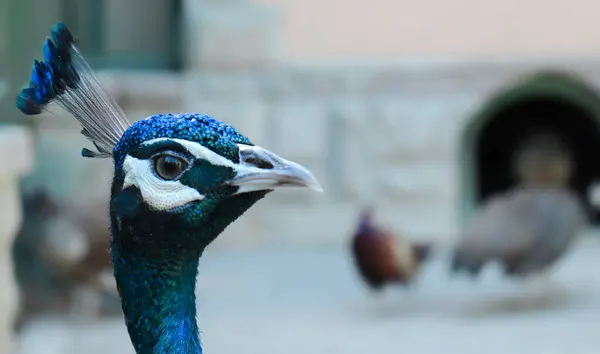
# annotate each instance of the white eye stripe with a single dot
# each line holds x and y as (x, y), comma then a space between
(165, 195)
(198, 151)
(158, 193)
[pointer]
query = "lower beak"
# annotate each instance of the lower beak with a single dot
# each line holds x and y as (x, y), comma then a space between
(260, 169)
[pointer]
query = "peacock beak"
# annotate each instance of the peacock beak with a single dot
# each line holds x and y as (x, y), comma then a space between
(260, 169)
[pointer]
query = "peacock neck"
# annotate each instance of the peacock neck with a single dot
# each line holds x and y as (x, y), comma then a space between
(155, 259)
(158, 300)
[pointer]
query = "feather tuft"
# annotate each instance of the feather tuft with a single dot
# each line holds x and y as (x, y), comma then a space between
(65, 77)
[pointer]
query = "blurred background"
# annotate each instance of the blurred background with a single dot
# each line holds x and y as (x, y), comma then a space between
(417, 109)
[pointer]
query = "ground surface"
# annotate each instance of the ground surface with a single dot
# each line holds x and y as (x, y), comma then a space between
(286, 302)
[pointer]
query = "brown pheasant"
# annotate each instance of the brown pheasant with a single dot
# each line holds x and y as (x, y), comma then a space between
(383, 258)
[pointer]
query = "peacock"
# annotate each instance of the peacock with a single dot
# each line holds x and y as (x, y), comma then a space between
(382, 257)
(179, 181)
(530, 227)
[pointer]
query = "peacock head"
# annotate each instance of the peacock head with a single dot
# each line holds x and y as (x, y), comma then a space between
(182, 170)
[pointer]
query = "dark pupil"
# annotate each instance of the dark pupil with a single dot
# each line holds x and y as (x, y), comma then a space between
(168, 167)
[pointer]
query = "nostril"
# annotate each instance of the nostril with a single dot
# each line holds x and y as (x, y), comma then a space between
(258, 157)
(262, 164)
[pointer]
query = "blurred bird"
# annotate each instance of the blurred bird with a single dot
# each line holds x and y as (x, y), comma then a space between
(528, 228)
(382, 258)
(179, 180)
(62, 248)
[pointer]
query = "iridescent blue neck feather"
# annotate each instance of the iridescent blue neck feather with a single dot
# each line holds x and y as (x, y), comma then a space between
(155, 258)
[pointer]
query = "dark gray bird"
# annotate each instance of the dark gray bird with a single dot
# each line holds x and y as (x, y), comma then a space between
(528, 228)
(61, 257)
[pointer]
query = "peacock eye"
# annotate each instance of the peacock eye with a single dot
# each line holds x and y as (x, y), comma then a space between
(169, 167)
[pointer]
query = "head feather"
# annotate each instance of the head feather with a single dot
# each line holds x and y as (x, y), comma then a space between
(65, 77)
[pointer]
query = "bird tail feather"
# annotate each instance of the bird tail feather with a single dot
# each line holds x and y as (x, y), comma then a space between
(65, 77)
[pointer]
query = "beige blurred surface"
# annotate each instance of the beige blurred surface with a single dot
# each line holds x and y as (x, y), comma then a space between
(385, 28)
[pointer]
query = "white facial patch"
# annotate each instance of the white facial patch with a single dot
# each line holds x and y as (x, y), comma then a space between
(158, 193)
(161, 194)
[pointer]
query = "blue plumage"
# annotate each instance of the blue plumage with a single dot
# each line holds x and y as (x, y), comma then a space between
(179, 181)
(64, 77)
(51, 77)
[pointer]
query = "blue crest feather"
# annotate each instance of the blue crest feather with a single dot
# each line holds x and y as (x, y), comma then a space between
(65, 77)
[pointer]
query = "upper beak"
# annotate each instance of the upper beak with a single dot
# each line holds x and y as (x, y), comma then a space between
(260, 169)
